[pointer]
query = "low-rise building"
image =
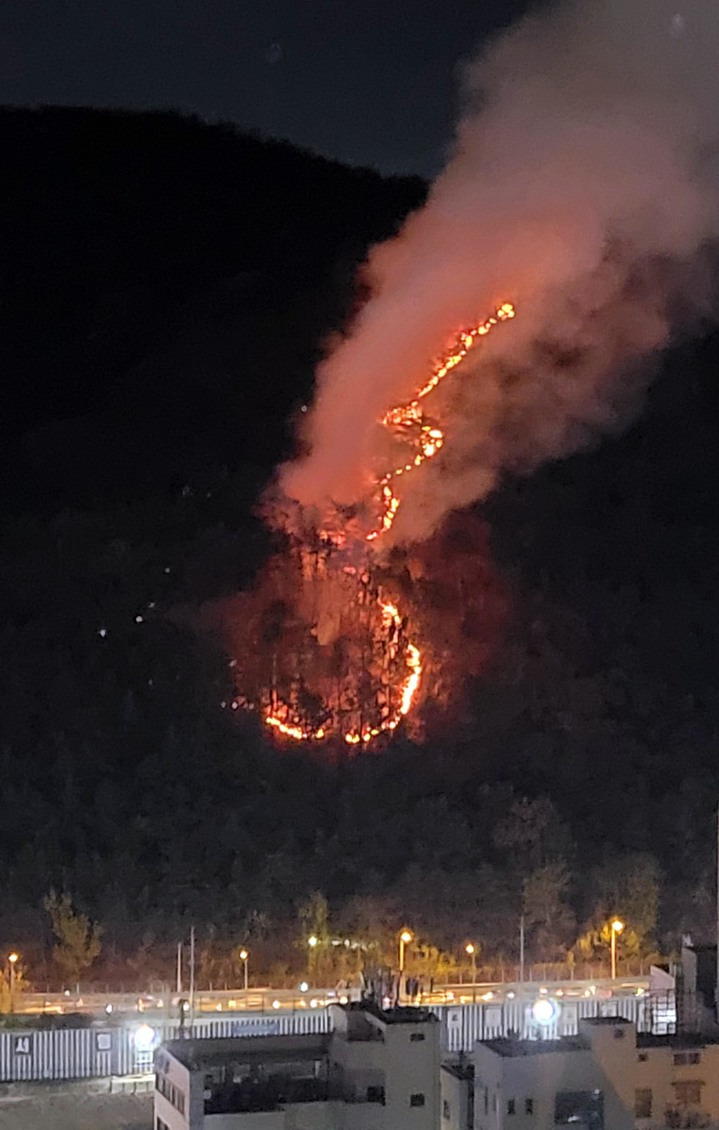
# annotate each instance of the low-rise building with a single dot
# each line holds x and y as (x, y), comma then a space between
(605, 1078)
(376, 1070)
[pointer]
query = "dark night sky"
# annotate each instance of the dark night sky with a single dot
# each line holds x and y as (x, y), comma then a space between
(366, 81)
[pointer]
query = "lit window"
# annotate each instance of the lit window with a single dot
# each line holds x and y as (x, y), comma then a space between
(417, 1099)
(643, 1103)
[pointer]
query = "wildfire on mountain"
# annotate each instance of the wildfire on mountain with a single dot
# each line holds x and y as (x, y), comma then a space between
(334, 647)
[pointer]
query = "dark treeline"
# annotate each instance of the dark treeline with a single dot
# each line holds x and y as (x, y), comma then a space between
(166, 288)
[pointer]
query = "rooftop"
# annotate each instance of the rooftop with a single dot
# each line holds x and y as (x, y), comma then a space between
(400, 1014)
(461, 1069)
(513, 1049)
(604, 1021)
(200, 1054)
(678, 1040)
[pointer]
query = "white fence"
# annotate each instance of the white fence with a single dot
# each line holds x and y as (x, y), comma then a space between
(98, 1052)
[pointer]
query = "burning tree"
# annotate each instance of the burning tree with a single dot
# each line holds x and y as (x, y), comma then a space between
(332, 647)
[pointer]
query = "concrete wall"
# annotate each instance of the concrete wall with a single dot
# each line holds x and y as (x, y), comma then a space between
(412, 1067)
(171, 1071)
(453, 1101)
(539, 1077)
(655, 1070)
(249, 1120)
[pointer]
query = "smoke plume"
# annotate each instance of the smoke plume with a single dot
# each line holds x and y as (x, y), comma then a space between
(583, 188)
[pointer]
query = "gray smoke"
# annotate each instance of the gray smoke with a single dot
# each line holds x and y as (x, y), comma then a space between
(583, 188)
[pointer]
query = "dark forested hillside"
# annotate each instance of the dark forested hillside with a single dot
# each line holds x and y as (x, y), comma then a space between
(170, 279)
(166, 287)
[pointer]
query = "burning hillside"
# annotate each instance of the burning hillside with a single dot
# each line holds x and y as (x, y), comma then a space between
(583, 184)
(334, 650)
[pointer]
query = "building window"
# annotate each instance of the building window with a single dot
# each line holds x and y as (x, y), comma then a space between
(160, 1125)
(694, 1057)
(679, 1059)
(643, 1103)
(486, 1100)
(642, 1057)
(511, 1106)
(688, 1092)
(375, 1095)
(618, 1033)
(173, 1094)
(416, 1037)
(583, 1107)
(445, 1110)
(529, 1106)
(417, 1099)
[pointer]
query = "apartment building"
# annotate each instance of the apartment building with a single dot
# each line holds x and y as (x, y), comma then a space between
(605, 1078)
(376, 1070)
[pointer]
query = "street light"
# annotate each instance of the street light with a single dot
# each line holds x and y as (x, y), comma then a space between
(616, 927)
(244, 955)
(313, 941)
(405, 937)
(471, 949)
(13, 959)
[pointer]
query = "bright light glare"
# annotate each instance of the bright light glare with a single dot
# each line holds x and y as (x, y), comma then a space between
(275, 1004)
(244, 955)
(303, 986)
(469, 948)
(312, 940)
(405, 937)
(144, 1038)
(617, 925)
(545, 1011)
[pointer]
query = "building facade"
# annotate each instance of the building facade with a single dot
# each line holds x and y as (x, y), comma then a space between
(376, 1070)
(606, 1078)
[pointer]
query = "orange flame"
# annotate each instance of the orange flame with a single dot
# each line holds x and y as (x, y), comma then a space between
(425, 440)
(409, 421)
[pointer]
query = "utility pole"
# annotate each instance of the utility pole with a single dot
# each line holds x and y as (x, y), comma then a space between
(192, 977)
(179, 967)
(716, 998)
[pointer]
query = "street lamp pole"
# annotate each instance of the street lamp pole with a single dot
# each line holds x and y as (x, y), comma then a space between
(312, 942)
(405, 937)
(616, 928)
(471, 949)
(12, 961)
(244, 956)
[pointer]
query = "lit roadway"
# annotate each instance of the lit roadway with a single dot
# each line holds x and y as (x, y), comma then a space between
(234, 1001)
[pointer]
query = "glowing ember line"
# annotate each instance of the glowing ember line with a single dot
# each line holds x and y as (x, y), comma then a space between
(278, 717)
(407, 419)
